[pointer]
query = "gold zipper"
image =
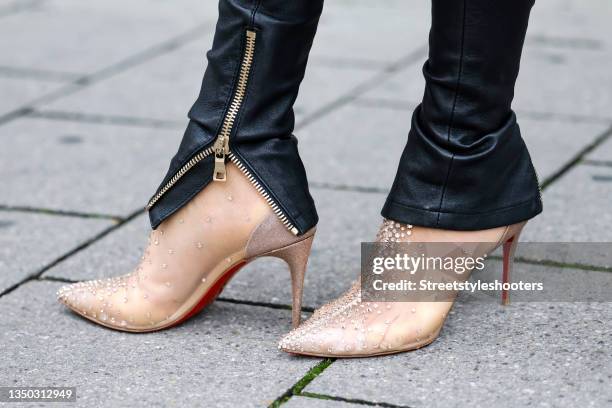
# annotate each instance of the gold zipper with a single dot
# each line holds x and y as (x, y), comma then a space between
(221, 148)
(222, 143)
(266, 196)
(194, 160)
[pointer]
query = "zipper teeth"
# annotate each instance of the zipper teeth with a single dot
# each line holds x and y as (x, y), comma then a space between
(266, 196)
(243, 78)
(177, 176)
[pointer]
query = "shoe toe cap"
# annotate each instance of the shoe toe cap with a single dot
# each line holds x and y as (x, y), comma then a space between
(324, 342)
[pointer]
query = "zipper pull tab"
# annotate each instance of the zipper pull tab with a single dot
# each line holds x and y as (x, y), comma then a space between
(221, 150)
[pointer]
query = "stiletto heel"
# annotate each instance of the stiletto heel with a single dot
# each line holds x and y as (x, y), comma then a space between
(296, 257)
(509, 249)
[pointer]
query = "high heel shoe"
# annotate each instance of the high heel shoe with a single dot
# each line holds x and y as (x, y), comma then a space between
(350, 327)
(190, 258)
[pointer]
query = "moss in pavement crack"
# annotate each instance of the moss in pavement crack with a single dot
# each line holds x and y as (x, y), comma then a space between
(311, 375)
(302, 383)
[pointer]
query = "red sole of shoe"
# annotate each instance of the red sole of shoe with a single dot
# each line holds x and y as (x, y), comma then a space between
(211, 295)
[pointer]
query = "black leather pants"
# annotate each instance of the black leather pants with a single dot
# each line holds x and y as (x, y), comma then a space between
(465, 165)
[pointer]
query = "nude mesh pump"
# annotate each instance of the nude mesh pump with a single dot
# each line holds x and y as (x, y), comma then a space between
(350, 327)
(189, 259)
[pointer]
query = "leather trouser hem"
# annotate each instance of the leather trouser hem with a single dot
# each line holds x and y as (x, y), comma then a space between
(405, 214)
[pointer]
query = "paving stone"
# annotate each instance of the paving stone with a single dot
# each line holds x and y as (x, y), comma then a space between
(370, 33)
(355, 146)
(372, 137)
(528, 354)
(575, 220)
(83, 167)
(576, 208)
(17, 92)
(548, 82)
(333, 265)
(225, 357)
(8, 7)
(404, 87)
(306, 402)
(317, 91)
(568, 24)
(29, 242)
(67, 36)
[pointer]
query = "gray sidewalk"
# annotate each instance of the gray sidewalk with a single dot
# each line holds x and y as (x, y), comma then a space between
(93, 98)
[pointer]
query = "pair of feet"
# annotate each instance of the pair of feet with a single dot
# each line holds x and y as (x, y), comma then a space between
(192, 254)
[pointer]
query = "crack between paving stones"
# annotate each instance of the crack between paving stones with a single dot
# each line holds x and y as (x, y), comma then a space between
(384, 103)
(280, 306)
(577, 158)
(346, 187)
(395, 104)
(19, 6)
(563, 265)
(55, 279)
(48, 211)
(35, 74)
(597, 163)
(351, 400)
(17, 113)
(103, 119)
(571, 43)
(297, 388)
(563, 117)
(346, 63)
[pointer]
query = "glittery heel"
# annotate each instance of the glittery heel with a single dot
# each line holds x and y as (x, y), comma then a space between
(296, 256)
(271, 238)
